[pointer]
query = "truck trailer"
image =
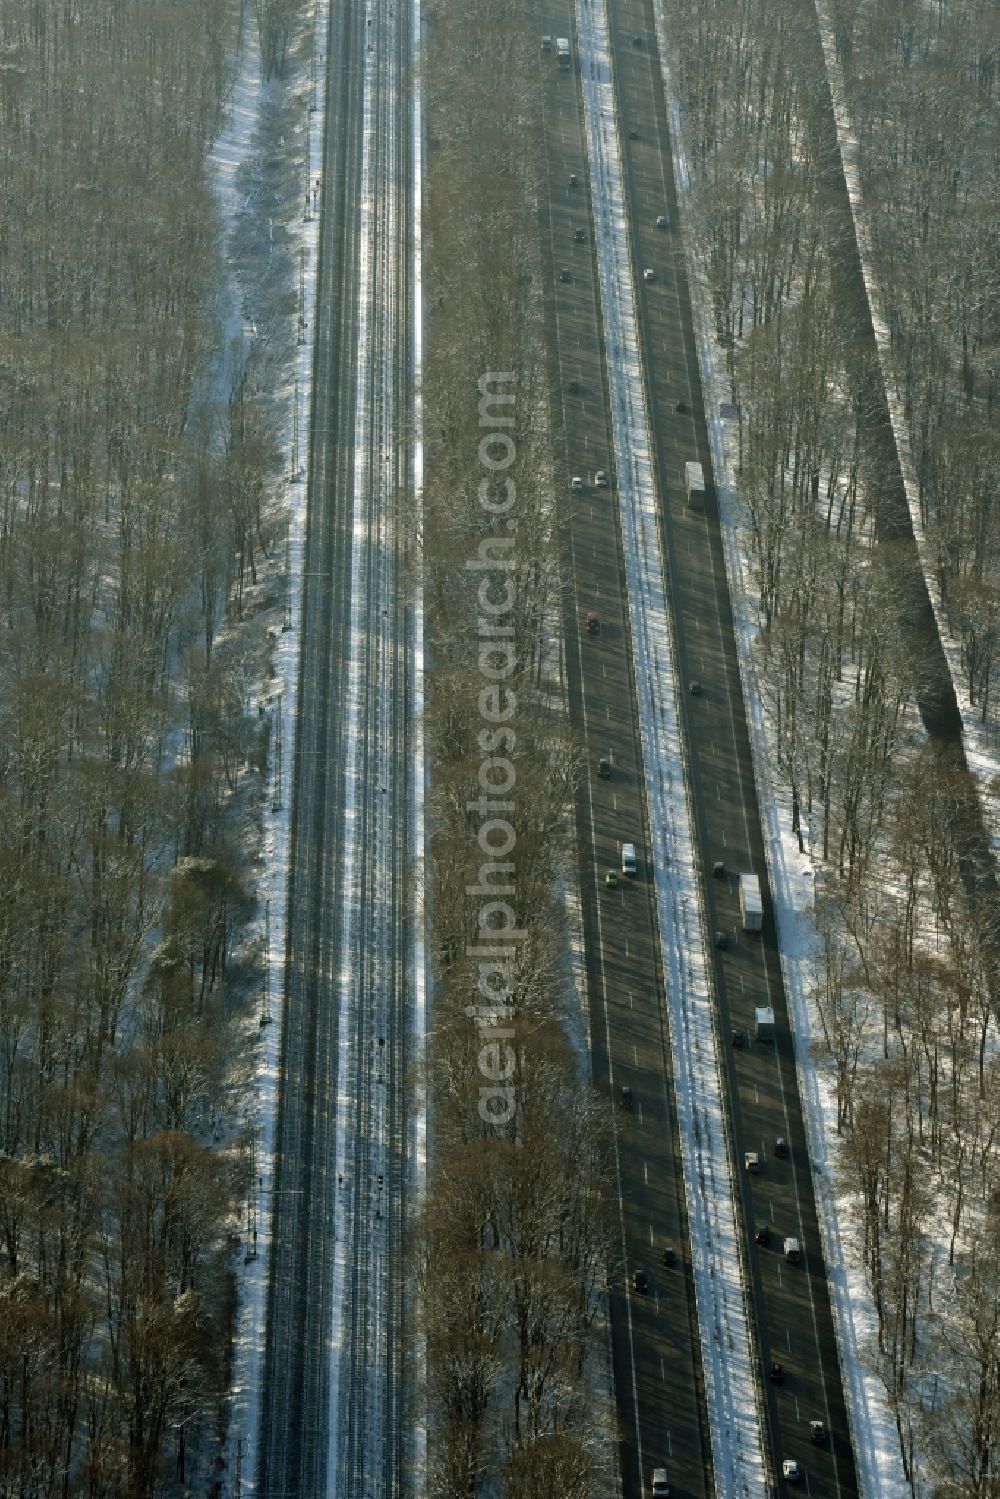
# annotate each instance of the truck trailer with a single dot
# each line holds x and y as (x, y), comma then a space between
(694, 483)
(751, 905)
(764, 1023)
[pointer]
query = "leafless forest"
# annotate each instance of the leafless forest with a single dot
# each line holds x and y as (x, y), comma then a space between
(515, 1241)
(133, 522)
(131, 525)
(908, 984)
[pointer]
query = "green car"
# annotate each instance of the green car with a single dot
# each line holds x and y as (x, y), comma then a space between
(611, 878)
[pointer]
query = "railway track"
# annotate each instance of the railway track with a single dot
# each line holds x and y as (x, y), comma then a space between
(332, 1389)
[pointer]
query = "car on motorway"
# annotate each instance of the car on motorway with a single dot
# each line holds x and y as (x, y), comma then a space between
(611, 879)
(662, 222)
(751, 1161)
(593, 623)
(628, 858)
(817, 1432)
(546, 44)
(633, 134)
(565, 274)
(694, 687)
(669, 1256)
(640, 1282)
(762, 1234)
(659, 1488)
(737, 1036)
(718, 870)
(649, 274)
(790, 1470)
(574, 180)
(637, 41)
(601, 479)
(781, 1148)
(579, 236)
(576, 483)
(626, 1097)
(793, 1251)
(776, 1372)
(604, 769)
(722, 942)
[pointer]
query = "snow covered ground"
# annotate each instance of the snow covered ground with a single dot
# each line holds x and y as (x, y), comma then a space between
(876, 1442)
(735, 1417)
(232, 151)
(981, 746)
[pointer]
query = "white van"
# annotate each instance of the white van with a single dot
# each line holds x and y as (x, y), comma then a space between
(793, 1252)
(628, 858)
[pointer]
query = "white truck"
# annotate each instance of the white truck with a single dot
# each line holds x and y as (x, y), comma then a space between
(751, 905)
(694, 483)
(764, 1023)
(562, 51)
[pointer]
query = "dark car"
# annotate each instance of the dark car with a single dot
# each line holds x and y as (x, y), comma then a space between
(565, 274)
(637, 41)
(776, 1373)
(574, 180)
(722, 940)
(593, 623)
(604, 769)
(781, 1148)
(738, 1037)
(694, 687)
(579, 236)
(626, 1097)
(640, 1282)
(762, 1234)
(669, 1255)
(718, 870)
(633, 134)
(817, 1432)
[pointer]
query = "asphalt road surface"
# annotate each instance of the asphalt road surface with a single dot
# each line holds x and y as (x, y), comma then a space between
(661, 1421)
(655, 1349)
(794, 1321)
